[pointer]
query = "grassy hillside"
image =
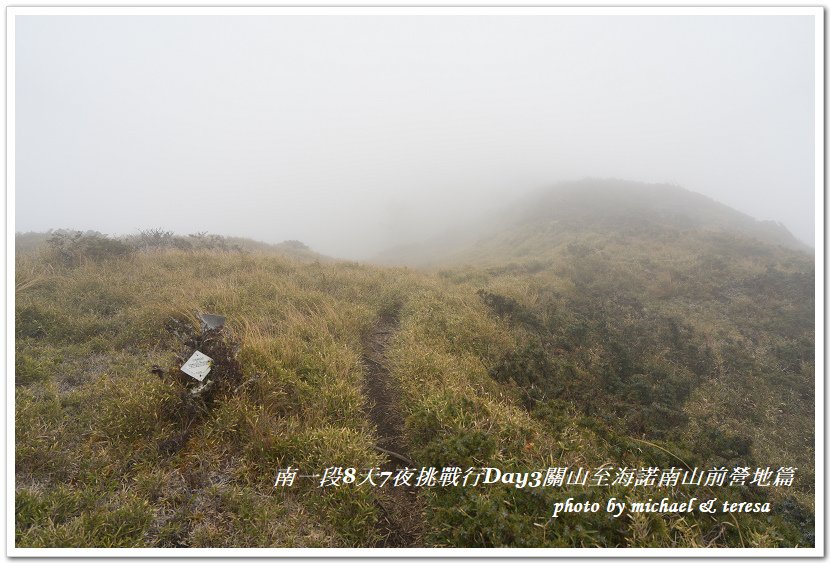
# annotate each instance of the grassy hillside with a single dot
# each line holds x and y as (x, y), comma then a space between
(632, 346)
(571, 210)
(67, 245)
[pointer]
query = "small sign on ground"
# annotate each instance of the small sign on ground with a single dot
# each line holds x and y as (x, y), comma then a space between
(198, 366)
(212, 322)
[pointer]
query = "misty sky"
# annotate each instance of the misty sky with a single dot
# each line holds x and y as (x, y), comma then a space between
(354, 133)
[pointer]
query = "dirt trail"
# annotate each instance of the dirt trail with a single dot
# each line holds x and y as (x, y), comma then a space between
(401, 522)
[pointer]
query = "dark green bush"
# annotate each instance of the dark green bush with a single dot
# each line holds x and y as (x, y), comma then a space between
(509, 308)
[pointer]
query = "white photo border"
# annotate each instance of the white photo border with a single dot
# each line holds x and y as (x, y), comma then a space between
(818, 551)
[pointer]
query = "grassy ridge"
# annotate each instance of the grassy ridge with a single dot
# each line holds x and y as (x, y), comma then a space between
(89, 414)
(580, 352)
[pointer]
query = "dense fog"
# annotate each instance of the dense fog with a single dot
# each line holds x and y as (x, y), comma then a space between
(357, 133)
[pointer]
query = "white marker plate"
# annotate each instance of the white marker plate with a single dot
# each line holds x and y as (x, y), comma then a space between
(198, 366)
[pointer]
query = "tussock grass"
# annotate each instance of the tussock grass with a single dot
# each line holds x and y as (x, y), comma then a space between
(579, 355)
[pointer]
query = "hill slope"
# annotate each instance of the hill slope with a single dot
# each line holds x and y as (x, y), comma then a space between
(560, 342)
(71, 242)
(568, 211)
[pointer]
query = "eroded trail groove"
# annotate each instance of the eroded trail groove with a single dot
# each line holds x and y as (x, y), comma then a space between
(401, 522)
